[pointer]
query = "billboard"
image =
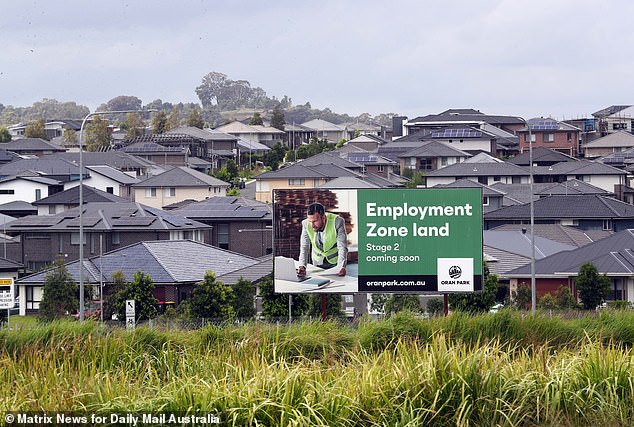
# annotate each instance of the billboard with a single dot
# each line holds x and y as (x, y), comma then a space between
(378, 240)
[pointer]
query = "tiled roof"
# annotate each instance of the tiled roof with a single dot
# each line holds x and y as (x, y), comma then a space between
(612, 255)
(435, 149)
(165, 261)
(300, 170)
(467, 115)
(617, 139)
(71, 197)
(467, 183)
(571, 206)
(226, 207)
(541, 155)
(30, 144)
(113, 174)
(181, 177)
(322, 125)
(115, 159)
(613, 109)
(479, 169)
(565, 234)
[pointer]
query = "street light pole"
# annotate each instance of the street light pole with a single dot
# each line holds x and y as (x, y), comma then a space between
(81, 201)
(532, 213)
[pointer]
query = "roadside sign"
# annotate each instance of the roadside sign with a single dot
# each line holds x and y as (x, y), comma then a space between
(7, 299)
(130, 323)
(129, 308)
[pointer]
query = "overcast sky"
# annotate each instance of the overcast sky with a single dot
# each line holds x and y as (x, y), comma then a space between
(558, 58)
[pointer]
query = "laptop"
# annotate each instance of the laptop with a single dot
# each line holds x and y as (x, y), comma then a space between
(285, 270)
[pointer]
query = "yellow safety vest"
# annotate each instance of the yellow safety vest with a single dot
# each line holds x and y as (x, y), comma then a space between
(328, 253)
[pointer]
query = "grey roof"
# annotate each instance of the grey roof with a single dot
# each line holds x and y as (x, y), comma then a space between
(572, 206)
(30, 144)
(99, 216)
(71, 197)
(521, 193)
(613, 109)
(148, 147)
(518, 242)
(19, 205)
(228, 208)
(252, 273)
(38, 179)
(251, 145)
(329, 158)
(181, 177)
(612, 255)
(467, 183)
(116, 159)
(500, 261)
(300, 170)
(467, 115)
(541, 155)
(165, 261)
(348, 182)
(204, 134)
(435, 149)
(581, 167)
(7, 264)
(113, 174)
(536, 125)
(45, 165)
(479, 169)
(565, 234)
(617, 139)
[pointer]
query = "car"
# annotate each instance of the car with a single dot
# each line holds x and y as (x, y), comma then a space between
(497, 307)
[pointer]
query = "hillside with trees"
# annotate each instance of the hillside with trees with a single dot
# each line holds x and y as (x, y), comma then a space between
(222, 99)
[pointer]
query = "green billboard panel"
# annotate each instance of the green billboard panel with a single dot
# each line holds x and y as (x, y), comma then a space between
(378, 240)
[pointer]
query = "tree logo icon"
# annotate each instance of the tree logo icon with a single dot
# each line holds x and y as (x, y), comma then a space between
(455, 272)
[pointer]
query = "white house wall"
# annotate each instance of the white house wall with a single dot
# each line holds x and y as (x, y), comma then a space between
(23, 190)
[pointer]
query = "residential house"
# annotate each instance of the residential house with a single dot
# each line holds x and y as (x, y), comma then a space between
(17, 209)
(32, 147)
(238, 224)
(367, 142)
(541, 156)
(492, 199)
(325, 130)
(297, 135)
(586, 212)
(550, 133)
(265, 135)
(106, 225)
(159, 154)
(177, 184)
(127, 163)
(354, 129)
(111, 180)
(462, 117)
(54, 128)
(28, 188)
(614, 142)
(175, 267)
(69, 199)
(517, 194)
(615, 118)
(431, 155)
(611, 256)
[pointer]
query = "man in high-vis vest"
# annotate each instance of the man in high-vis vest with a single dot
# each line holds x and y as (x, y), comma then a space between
(324, 236)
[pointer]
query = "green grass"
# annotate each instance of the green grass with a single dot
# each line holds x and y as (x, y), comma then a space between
(502, 369)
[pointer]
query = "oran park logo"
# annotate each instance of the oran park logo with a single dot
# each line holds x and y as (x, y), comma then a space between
(455, 272)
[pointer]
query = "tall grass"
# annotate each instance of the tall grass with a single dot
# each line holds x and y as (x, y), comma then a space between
(501, 369)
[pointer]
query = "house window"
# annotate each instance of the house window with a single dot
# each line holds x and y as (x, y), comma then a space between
(31, 302)
(74, 238)
(7, 191)
(425, 164)
(380, 168)
(110, 190)
(170, 192)
(52, 209)
(607, 224)
(444, 161)
(296, 181)
(116, 238)
(150, 192)
(223, 236)
(485, 201)
(316, 182)
(38, 194)
(549, 137)
(497, 178)
(36, 236)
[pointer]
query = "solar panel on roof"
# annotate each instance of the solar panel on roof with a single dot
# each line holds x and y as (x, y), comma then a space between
(39, 221)
(132, 222)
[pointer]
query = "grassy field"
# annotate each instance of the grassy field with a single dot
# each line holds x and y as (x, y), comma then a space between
(495, 369)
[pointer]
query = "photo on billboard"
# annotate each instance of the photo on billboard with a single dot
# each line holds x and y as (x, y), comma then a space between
(377, 240)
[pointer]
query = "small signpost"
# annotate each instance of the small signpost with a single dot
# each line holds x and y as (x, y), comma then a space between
(129, 315)
(7, 299)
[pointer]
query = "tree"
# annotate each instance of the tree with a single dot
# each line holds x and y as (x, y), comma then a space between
(477, 302)
(523, 297)
(400, 302)
(195, 120)
(243, 301)
(277, 119)
(173, 120)
(435, 307)
(110, 293)
(97, 134)
(232, 169)
(276, 305)
(135, 126)
(256, 119)
(275, 156)
(121, 103)
(159, 123)
(5, 136)
(210, 89)
(140, 290)
(333, 305)
(565, 299)
(70, 137)
(60, 293)
(592, 287)
(35, 129)
(211, 299)
(547, 302)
